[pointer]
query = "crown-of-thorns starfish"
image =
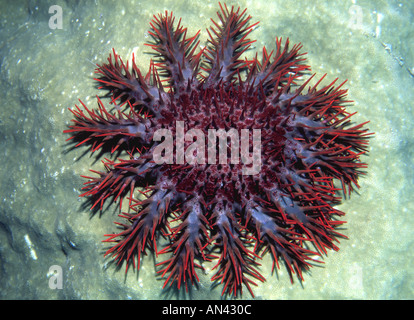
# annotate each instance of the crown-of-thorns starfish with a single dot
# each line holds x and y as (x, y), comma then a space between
(213, 210)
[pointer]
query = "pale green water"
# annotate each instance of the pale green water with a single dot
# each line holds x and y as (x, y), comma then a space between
(44, 71)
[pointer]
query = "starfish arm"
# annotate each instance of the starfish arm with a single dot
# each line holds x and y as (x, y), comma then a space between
(236, 264)
(140, 231)
(124, 84)
(287, 65)
(188, 242)
(227, 42)
(107, 131)
(118, 181)
(174, 52)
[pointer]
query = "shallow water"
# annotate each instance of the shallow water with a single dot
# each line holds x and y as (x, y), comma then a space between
(44, 71)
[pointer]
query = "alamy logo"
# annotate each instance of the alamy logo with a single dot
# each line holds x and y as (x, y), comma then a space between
(56, 21)
(55, 275)
(355, 21)
(196, 151)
